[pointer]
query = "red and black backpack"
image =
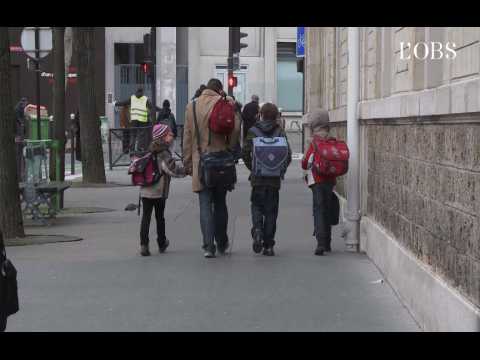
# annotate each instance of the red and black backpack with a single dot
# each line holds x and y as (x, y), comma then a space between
(330, 157)
(222, 117)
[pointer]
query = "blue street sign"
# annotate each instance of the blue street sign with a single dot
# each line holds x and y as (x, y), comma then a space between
(300, 41)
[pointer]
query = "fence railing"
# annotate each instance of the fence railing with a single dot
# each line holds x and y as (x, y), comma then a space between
(124, 143)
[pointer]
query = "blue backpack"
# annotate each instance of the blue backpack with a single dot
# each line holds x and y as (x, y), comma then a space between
(270, 154)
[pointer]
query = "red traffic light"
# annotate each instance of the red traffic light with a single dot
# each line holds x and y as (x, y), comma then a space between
(232, 81)
(146, 68)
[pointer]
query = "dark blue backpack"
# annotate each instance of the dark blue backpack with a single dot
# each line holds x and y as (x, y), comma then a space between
(270, 154)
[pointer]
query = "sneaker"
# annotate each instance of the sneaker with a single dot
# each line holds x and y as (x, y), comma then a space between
(144, 251)
(268, 251)
(319, 251)
(209, 254)
(257, 243)
(163, 246)
(223, 249)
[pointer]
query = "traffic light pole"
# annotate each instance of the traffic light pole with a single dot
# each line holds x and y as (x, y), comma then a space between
(230, 60)
(154, 71)
(37, 74)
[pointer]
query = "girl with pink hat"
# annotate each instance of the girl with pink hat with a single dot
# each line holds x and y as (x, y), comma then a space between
(155, 196)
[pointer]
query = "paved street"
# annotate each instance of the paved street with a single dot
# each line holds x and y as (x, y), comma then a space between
(102, 284)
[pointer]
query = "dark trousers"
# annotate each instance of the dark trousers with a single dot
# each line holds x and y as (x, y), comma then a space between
(264, 205)
(322, 200)
(139, 135)
(3, 323)
(213, 217)
(148, 206)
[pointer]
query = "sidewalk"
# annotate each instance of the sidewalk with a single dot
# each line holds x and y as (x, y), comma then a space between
(102, 284)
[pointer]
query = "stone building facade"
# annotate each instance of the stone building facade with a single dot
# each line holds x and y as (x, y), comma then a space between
(419, 160)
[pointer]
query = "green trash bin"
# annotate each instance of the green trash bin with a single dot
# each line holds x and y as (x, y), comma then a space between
(44, 128)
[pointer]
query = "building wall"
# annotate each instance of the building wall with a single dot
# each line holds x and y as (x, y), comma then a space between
(420, 141)
(208, 47)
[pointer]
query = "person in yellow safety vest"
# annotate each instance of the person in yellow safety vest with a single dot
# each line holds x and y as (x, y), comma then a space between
(140, 109)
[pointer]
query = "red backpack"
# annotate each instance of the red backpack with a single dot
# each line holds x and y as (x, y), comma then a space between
(145, 170)
(222, 118)
(331, 157)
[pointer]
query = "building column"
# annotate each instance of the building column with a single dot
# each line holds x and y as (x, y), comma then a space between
(166, 81)
(352, 213)
(270, 65)
(109, 76)
(193, 60)
(312, 68)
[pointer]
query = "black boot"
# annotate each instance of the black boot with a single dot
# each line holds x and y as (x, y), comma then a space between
(328, 243)
(268, 251)
(162, 246)
(144, 250)
(257, 241)
(319, 250)
(222, 248)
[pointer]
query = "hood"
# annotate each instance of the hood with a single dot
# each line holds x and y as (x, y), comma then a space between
(267, 126)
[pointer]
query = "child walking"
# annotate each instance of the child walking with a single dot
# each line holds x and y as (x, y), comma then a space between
(267, 155)
(155, 196)
(324, 160)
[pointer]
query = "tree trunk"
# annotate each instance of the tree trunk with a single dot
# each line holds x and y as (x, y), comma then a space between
(11, 221)
(59, 99)
(93, 167)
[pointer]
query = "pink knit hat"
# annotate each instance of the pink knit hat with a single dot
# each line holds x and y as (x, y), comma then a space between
(159, 131)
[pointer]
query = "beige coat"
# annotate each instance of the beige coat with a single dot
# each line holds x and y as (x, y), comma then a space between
(191, 157)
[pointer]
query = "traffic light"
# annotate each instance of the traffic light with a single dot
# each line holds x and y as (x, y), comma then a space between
(146, 68)
(237, 36)
(232, 81)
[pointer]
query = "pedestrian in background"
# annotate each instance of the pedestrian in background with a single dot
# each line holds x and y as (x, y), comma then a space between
(250, 114)
(20, 136)
(268, 165)
(199, 91)
(165, 116)
(155, 196)
(140, 108)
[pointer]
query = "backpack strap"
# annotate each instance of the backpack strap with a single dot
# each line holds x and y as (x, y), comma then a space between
(314, 144)
(257, 131)
(277, 132)
(197, 130)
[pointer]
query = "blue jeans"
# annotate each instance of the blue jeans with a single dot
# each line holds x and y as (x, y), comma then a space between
(213, 217)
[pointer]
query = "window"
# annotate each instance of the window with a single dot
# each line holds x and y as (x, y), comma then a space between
(289, 81)
(128, 53)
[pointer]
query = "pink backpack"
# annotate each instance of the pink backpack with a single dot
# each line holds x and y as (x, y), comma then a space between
(145, 170)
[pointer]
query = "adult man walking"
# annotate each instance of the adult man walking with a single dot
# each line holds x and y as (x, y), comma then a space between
(20, 135)
(250, 114)
(213, 207)
(140, 106)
